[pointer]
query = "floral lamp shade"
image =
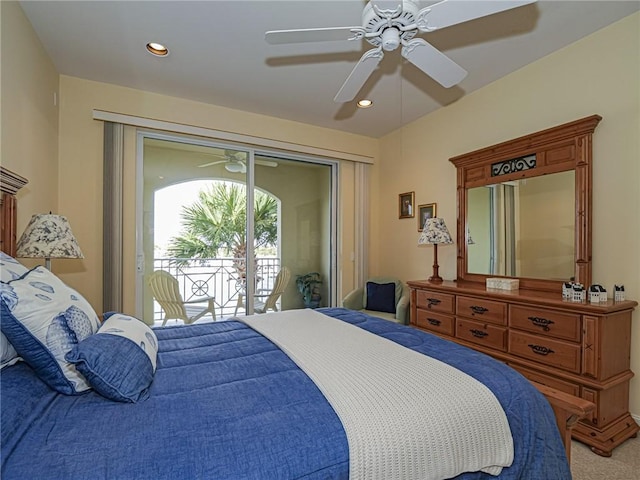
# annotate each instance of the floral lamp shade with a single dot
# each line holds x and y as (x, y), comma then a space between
(434, 232)
(48, 236)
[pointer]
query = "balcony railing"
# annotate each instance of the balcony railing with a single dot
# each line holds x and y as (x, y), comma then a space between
(215, 277)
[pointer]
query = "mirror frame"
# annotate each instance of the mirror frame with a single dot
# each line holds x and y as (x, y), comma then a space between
(558, 149)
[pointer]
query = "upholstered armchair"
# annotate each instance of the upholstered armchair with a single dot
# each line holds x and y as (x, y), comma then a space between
(384, 297)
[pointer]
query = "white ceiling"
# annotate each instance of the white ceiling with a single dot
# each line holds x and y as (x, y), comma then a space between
(219, 56)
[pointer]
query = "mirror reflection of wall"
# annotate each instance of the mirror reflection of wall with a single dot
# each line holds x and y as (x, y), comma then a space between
(524, 228)
(479, 258)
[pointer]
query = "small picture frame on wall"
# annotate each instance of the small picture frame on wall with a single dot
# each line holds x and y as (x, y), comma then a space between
(428, 210)
(406, 205)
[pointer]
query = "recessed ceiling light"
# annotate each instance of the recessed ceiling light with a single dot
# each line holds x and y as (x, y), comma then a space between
(157, 49)
(365, 103)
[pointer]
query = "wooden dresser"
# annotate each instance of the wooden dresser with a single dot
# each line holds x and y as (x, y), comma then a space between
(577, 348)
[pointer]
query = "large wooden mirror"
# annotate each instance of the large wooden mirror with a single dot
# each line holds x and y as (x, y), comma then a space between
(524, 208)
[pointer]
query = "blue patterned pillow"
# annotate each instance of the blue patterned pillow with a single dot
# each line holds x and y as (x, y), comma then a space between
(120, 360)
(44, 319)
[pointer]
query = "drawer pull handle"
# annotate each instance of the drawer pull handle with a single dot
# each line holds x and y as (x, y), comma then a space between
(434, 322)
(433, 301)
(478, 333)
(540, 349)
(479, 310)
(541, 322)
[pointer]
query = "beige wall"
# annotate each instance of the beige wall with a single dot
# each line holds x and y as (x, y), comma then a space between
(29, 138)
(597, 75)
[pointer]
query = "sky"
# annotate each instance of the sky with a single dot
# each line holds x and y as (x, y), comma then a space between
(168, 203)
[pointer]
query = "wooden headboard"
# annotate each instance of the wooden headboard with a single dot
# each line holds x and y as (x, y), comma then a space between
(10, 183)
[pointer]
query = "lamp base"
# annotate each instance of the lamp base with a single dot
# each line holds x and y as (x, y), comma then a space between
(435, 278)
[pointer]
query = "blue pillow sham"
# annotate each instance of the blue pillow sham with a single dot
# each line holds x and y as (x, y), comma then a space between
(119, 361)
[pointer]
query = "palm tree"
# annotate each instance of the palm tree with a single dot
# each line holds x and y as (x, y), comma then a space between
(215, 225)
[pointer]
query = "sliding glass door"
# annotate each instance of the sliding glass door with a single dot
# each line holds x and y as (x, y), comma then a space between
(255, 230)
(304, 252)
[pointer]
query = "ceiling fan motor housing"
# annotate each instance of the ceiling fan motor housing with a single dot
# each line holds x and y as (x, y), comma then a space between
(391, 37)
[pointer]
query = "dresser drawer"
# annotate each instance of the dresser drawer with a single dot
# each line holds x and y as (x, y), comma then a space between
(545, 322)
(434, 301)
(482, 310)
(546, 351)
(482, 333)
(435, 322)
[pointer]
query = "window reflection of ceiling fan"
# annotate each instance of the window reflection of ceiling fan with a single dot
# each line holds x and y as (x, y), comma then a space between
(236, 162)
(389, 24)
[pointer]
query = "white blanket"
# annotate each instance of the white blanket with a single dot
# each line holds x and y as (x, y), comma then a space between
(406, 415)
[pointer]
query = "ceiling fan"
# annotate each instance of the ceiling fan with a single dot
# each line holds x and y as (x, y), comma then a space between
(236, 162)
(387, 24)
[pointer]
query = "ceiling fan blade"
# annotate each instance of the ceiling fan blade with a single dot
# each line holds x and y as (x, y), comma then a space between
(433, 62)
(266, 163)
(359, 75)
(276, 37)
(211, 163)
(451, 12)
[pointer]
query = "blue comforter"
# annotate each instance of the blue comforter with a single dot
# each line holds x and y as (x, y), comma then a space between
(228, 404)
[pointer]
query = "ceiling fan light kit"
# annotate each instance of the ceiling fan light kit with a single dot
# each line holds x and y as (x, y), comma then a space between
(235, 167)
(389, 24)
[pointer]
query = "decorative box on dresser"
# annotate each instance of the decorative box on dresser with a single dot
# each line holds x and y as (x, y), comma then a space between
(578, 348)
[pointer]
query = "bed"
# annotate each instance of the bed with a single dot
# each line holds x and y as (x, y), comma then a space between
(224, 401)
(227, 403)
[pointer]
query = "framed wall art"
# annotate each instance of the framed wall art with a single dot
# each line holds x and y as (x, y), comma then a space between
(406, 205)
(428, 210)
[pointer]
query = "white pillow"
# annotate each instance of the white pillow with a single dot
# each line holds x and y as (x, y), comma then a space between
(44, 319)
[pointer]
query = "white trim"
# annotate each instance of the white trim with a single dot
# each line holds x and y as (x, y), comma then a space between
(229, 136)
(636, 418)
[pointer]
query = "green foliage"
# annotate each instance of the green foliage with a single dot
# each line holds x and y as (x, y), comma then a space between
(308, 286)
(215, 224)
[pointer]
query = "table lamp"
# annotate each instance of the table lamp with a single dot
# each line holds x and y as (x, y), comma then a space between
(435, 232)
